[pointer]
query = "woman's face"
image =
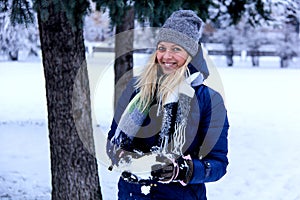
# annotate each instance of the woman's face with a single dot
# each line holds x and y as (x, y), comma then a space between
(170, 56)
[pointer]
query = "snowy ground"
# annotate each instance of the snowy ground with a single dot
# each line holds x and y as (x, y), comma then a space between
(263, 106)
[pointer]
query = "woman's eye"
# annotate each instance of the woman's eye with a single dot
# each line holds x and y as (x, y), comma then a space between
(161, 49)
(176, 49)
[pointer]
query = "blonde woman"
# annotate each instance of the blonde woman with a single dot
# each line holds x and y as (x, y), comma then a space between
(168, 112)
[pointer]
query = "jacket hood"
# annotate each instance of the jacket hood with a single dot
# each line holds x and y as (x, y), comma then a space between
(198, 64)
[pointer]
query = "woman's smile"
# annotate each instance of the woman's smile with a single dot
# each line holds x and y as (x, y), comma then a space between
(170, 65)
(170, 56)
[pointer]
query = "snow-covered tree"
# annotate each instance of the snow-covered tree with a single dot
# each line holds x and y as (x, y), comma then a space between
(252, 38)
(96, 26)
(228, 37)
(74, 169)
(280, 27)
(15, 37)
(235, 19)
(255, 38)
(286, 15)
(231, 12)
(280, 31)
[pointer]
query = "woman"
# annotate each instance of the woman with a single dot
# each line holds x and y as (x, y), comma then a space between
(168, 112)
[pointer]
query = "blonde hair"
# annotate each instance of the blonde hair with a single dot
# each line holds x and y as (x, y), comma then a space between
(152, 85)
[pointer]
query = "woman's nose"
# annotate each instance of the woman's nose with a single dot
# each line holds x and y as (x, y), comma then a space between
(167, 54)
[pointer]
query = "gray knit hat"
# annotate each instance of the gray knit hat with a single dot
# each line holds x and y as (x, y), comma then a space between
(183, 28)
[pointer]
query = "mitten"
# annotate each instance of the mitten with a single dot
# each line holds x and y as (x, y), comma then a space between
(186, 168)
(180, 170)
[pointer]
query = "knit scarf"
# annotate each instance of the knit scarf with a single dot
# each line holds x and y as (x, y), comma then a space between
(174, 113)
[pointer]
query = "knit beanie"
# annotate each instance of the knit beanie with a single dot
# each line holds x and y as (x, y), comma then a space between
(182, 28)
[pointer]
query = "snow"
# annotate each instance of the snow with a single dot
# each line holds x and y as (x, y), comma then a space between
(263, 105)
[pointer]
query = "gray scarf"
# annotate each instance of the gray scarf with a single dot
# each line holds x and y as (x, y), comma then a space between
(174, 113)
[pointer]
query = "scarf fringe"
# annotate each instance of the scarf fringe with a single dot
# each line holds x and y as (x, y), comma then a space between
(178, 139)
(172, 139)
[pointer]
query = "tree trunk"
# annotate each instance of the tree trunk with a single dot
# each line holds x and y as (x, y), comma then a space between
(73, 161)
(229, 56)
(284, 62)
(13, 55)
(255, 61)
(124, 53)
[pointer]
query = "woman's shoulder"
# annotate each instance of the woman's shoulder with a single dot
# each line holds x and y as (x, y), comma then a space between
(205, 93)
(130, 85)
(203, 89)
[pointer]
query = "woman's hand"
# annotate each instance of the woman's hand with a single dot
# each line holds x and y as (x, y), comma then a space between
(180, 170)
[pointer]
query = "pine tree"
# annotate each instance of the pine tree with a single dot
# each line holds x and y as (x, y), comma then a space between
(73, 161)
(16, 35)
(287, 19)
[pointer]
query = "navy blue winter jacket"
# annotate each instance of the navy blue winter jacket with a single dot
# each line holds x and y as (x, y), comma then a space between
(206, 142)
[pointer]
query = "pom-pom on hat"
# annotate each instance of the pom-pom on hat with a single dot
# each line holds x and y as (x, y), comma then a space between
(183, 27)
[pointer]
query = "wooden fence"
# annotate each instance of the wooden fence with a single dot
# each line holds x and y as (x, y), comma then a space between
(210, 52)
(239, 53)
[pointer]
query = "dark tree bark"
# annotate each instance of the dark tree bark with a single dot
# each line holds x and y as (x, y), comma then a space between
(13, 55)
(73, 161)
(284, 62)
(255, 61)
(123, 53)
(229, 56)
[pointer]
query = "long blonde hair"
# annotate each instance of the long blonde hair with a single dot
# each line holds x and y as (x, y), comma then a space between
(152, 84)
